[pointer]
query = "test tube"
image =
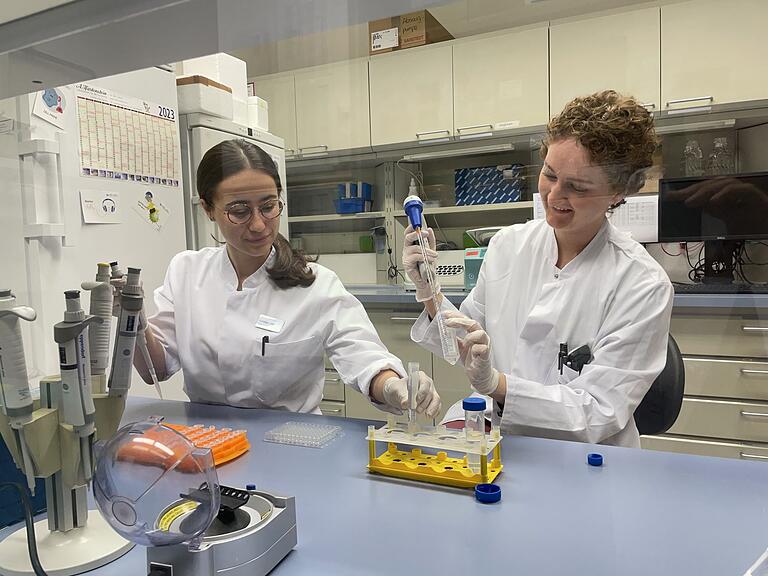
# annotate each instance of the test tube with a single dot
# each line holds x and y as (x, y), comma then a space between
(413, 390)
(474, 429)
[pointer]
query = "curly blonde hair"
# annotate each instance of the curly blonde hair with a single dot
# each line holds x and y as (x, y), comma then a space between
(616, 131)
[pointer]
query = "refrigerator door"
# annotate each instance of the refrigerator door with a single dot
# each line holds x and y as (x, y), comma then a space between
(62, 220)
(199, 134)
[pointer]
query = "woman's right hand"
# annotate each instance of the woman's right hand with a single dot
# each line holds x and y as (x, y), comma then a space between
(413, 261)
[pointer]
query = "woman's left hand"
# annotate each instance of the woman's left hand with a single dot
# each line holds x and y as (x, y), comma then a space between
(474, 352)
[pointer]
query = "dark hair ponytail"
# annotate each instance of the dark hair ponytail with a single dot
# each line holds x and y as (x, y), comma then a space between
(231, 157)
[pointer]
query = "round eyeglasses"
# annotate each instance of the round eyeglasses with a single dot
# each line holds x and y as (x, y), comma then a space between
(243, 213)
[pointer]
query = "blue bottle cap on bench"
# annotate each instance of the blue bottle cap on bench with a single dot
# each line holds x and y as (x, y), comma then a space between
(594, 459)
(487, 493)
(474, 403)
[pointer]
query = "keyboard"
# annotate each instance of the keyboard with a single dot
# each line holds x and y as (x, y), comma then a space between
(735, 288)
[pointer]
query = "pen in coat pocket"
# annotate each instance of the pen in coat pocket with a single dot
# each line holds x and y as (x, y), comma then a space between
(264, 342)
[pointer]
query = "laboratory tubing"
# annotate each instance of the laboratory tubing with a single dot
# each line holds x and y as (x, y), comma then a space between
(15, 395)
(131, 302)
(474, 428)
(101, 307)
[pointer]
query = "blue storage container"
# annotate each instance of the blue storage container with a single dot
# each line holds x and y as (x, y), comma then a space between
(351, 205)
(11, 510)
(487, 185)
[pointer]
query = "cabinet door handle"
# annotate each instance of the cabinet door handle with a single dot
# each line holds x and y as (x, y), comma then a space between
(327, 379)
(754, 329)
(319, 148)
(475, 127)
(648, 105)
(403, 319)
(330, 410)
(755, 414)
(694, 99)
(430, 132)
(747, 456)
(290, 151)
(755, 372)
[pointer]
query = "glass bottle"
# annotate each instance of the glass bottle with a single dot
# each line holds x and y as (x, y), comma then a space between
(693, 159)
(720, 161)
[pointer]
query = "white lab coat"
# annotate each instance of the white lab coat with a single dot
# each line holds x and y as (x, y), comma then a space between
(613, 297)
(210, 330)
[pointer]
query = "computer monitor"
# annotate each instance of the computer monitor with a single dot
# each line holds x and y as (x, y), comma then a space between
(719, 210)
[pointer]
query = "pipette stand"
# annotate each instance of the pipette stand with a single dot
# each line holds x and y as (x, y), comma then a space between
(69, 541)
(405, 456)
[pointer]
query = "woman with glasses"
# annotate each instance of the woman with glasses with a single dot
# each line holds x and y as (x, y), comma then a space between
(567, 326)
(248, 322)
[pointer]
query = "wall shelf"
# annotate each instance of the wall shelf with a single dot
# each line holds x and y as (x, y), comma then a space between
(336, 217)
(477, 215)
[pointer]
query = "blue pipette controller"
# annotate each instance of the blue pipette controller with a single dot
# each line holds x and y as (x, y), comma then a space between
(414, 208)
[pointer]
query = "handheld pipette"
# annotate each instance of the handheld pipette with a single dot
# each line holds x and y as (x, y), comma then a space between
(118, 281)
(15, 395)
(101, 307)
(414, 209)
(75, 364)
(131, 302)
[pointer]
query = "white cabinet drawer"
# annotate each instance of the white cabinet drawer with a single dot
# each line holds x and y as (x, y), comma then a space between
(747, 380)
(332, 409)
(723, 419)
(334, 387)
(720, 335)
(705, 447)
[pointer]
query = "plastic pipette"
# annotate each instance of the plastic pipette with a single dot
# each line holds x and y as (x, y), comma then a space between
(414, 209)
(15, 395)
(413, 390)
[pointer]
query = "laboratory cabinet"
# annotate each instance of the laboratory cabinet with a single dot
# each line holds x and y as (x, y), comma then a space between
(500, 82)
(332, 107)
(713, 52)
(279, 90)
(617, 51)
(725, 407)
(412, 95)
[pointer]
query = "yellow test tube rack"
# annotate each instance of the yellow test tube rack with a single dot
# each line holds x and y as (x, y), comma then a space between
(438, 468)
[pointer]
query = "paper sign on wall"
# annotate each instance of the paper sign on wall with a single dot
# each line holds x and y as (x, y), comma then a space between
(100, 207)
(50, 105)
(638, 217)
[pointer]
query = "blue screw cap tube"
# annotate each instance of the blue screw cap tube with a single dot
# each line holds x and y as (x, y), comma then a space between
(414, 208)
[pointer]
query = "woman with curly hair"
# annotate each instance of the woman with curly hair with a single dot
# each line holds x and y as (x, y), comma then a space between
(567, 327)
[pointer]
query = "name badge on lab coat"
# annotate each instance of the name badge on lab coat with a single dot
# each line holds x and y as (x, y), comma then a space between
(270, 324)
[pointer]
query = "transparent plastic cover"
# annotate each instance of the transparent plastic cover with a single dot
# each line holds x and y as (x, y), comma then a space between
(154, 486)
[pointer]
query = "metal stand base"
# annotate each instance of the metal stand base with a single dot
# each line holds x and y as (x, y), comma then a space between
(63, 553)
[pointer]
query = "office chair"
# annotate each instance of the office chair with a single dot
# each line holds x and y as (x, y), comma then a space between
(659, 408)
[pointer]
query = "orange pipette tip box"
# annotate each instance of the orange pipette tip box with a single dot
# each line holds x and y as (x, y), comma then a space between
(225, 444)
